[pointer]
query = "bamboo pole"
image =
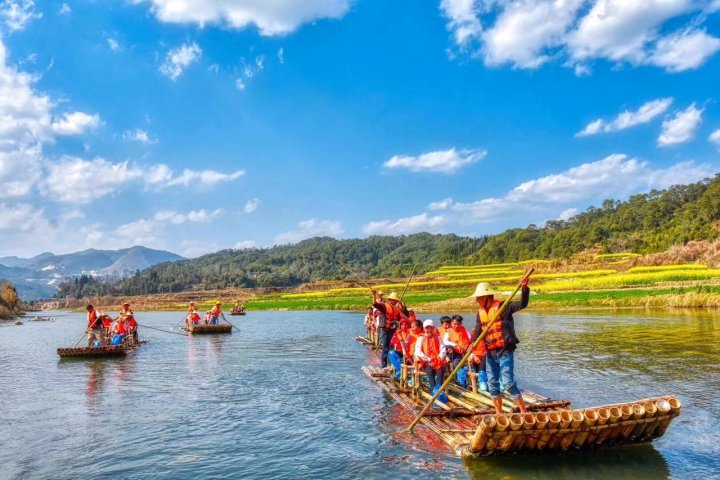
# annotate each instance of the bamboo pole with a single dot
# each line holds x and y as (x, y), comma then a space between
(565, 420)
(408, 282)
(470, 349)
(501, 425)
(552, 423)
(603, 416)
(576, 420)
(591, 418)
(541, 422)
(482, 434)
(650, 411)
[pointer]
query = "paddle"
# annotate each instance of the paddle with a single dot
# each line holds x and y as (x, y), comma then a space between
(469, 351)
(223, 315)
(161, 330)
(80, 339)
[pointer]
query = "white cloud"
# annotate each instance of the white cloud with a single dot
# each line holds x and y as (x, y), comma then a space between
(271, 18)
(402, 226)
(76, 123)
(245, 244)
(441, 205)
(65, 9)
(441, 161)
(240, 84)
(139, 135)
(176, 61)
(680, 128)
(620, 30)
(77, 181)
(16, 14)
(21, 219)
(568, 213)
(530, 33)
(627, 119)
(525, 30)
(463, 19)
(149, 231)
(686, 50)
(251, 205)
(281, 55)
(715, 136)
(114, 45)
(585, 182)
(310, 228)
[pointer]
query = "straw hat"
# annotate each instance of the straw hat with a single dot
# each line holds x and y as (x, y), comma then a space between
(380, 292)
(393, 296)
(483, 289)
(217, 303)
(428, 323)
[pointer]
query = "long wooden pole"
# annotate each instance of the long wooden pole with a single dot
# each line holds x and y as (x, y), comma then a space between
(408, 282)
(228, 321)
(469, 351)
(161, 330)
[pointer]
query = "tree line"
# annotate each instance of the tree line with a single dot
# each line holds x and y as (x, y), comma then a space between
(645, 223)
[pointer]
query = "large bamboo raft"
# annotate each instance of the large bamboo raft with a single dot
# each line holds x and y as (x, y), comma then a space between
(469, 425)
(98, 352)
(209, 329)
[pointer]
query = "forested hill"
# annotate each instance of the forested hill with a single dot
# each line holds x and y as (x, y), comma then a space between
(644, 223)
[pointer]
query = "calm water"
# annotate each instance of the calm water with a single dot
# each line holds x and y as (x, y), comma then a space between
(285, 398)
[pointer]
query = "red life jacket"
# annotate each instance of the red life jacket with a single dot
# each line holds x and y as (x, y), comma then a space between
(399, 338)
(120, 328)
(195, 318)
(107, 321)
(131, 323)
(93, 319)
(494, 338)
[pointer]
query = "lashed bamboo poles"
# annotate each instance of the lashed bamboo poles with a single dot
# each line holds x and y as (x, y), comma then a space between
(465, 357)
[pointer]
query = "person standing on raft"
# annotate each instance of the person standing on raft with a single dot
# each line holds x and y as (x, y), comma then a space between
(500, 341)
(215, 313)
(392, 311)
(95, 327)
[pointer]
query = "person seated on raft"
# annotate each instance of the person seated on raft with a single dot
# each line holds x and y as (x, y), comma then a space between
(458, 339)
(193, 317)
(476, 362)
(401, 343)
(95, 328)
(430, 355)
(128, 318)
(444, 326)
(215, 313)
(118, 331)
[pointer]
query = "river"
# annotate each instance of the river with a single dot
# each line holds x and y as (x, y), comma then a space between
(284, 397)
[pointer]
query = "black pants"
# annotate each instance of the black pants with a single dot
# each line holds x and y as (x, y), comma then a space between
(386, 335)
(435, 377)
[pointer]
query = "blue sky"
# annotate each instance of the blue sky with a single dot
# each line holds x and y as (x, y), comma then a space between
(198, 125)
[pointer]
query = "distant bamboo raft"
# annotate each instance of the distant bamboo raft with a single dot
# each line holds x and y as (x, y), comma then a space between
(209, 329)
(98, 352)
(468, 424)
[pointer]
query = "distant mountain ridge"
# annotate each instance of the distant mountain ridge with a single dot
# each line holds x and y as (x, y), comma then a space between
(39, 276)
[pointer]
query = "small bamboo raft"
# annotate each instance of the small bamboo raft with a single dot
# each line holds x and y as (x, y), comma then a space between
(107, 351)
(209, 329)
(468, 424)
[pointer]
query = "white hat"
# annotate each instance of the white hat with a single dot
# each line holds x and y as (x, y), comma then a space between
(483, 289)
(428, 323)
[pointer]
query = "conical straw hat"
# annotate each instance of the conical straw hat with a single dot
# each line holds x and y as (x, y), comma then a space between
(393, 296)
(483, 289)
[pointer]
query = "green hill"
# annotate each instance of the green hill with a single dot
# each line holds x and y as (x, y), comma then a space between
(644, 223)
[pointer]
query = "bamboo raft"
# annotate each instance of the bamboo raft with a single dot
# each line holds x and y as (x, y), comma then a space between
(209, 329)
(107, 351)
(237, 313)
(469, 425)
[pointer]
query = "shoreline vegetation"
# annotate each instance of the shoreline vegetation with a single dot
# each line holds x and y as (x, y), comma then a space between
(590, 280)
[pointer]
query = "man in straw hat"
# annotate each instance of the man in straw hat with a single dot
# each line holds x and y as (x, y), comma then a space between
(500, 341)
(392, 311)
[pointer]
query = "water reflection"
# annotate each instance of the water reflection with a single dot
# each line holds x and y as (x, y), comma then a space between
(94, 386)
(637, 462)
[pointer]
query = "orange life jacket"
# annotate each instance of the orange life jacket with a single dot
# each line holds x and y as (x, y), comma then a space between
(494, 338)
(392, 314)
(460, 338)
(119, 328)
(413, 340)
(442, 331)
(215, 311)
(431, 349)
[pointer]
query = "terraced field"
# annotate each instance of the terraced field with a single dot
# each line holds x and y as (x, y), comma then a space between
(603, 280)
